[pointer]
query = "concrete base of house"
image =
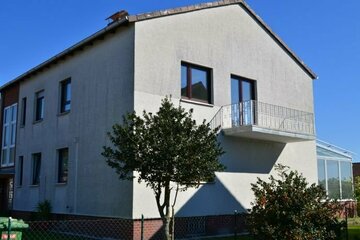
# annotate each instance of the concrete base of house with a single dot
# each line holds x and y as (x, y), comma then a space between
(133, 229)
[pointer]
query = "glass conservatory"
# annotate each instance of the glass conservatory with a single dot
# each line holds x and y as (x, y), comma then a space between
(335, 170)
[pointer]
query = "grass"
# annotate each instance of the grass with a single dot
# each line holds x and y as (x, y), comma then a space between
(353, 232)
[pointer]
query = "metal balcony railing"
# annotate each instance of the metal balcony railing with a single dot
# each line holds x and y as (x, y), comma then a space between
(264, 115)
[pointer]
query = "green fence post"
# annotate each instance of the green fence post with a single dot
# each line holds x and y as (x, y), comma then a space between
(9, 229)
(142, 227)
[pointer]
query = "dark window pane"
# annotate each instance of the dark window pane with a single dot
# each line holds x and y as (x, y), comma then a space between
(36, 169)
(39, 112)
(63, 165)
(333, 179)
(20, 170)
(346, 180)
(184, 84)
(23, 112)
(65, 96)
(199, 84)
(195, 82)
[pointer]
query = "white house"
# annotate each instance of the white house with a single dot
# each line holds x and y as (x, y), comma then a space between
(218, 58)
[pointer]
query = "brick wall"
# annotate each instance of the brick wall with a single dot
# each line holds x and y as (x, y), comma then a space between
(130, 229)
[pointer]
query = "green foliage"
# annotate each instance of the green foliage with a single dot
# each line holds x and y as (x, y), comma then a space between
(287, 207)
(43, 210)
(168, 150)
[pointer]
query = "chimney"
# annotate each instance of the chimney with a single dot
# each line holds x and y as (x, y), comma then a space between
(116, 16)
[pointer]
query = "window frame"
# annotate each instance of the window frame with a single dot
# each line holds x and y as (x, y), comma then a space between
(63, 96)
(11, 126)
(23, 112)
(35, 175)
(60, 167)
(20, 171)
(36, 103)
(241, 80)
(209, 82)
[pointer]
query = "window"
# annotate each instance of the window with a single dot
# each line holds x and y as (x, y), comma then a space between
(20, 169)
(333, 179)
(23, 112)
(39, 106)
(195, 82)
(335, 176)
(65, 96)
(9, 136)
(36, 168)
(242, 96)
(346, 180)
(63, 158)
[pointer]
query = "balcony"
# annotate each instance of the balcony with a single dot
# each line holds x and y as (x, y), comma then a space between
(263, 121)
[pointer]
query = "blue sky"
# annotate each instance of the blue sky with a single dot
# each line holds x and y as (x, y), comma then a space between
(324, 33)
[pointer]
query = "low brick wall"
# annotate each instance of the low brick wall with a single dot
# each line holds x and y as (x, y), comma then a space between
(349, 208)
(131, 229)
(192, 227)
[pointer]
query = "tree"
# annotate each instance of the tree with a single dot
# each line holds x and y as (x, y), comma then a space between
(288, 208)
(170, 152)
(357, 193)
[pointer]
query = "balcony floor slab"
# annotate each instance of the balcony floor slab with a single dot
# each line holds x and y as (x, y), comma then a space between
(260, 133)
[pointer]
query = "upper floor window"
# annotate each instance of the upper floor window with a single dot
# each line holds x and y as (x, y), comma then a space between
(63, 158)
(65, 96)
(195, 82)
(39, 105)
(9, 135)
(36, 168)
(23, 112)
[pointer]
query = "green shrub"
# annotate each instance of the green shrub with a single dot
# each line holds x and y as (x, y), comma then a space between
(287, 207)
(43, 210)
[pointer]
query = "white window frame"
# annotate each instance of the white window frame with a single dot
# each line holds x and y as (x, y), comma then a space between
(12, 142)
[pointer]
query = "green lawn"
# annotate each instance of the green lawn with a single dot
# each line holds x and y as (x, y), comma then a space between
(353, 231)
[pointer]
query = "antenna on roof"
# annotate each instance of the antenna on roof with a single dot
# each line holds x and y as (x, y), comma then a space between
(116, 16)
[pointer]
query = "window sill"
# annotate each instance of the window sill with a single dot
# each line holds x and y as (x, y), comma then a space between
(60, 184)
(34, 185)
(38, 121)
(7, 165)
(63, 113)
(196, 102)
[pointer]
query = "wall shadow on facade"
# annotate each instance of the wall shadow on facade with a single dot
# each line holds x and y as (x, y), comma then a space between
(212, 198)
(250, 156)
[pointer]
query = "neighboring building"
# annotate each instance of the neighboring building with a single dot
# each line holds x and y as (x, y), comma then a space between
(335, 170)
(218, 58)
(356, 169)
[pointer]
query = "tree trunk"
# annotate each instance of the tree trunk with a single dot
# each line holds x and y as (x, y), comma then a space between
(167, 228)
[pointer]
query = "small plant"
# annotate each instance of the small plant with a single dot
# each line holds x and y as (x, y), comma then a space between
(287, 207)
(43, 210)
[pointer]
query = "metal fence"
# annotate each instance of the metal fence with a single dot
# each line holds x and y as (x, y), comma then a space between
(264, 115)
(130, 229)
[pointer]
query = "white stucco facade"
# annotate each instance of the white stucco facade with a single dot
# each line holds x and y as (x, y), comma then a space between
(230, 42)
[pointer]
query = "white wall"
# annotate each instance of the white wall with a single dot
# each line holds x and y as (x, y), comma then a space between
(229, 41)
(102, 91)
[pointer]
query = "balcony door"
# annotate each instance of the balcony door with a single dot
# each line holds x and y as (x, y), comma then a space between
(242, 104)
